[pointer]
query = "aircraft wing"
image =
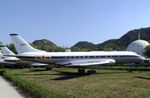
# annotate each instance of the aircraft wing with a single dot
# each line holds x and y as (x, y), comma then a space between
(5, 62)
(87, 62)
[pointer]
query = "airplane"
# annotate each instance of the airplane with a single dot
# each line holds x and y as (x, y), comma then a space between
(16, 60)
(79, 60)
(3, 62)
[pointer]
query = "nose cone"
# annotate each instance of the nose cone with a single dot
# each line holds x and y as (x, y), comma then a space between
(141, 57)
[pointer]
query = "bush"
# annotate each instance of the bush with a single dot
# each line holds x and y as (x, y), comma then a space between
(2, 72)
(1, 66)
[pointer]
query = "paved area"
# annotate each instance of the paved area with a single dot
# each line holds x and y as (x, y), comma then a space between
(7, 90)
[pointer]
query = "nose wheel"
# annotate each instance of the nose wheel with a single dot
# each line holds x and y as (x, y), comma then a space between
(49, 68)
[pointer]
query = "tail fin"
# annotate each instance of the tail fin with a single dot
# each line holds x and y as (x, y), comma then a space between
(1, 54)
(21, 45)
(6, 51)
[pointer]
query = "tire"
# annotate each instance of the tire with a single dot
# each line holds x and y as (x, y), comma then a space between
(49, 68)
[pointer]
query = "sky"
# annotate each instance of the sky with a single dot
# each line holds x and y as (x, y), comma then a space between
(65, 22)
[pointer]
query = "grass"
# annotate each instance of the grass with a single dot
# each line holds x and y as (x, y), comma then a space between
(35, 90)
(64, 82)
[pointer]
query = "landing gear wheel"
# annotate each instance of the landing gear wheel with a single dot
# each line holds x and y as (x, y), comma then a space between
(130, 70)
(49, 68)
(91, 72)
(21, 67)
(81, 71)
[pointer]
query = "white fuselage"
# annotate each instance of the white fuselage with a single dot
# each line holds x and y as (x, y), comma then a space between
(56, 57)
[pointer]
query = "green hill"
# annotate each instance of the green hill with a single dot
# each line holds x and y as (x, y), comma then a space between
(83, 46)
(132, 35)
(46, 45)
(116, 44)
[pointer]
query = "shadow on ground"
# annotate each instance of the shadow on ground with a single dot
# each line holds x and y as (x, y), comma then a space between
(66, 75)
(37, 70)
(127, 69)
(140, 77)
(70, 75)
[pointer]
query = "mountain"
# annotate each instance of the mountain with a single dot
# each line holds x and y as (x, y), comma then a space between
(46, 45)
(109, 45)
(132, 35)
(83, 46)
(117, 44)
(43, 42)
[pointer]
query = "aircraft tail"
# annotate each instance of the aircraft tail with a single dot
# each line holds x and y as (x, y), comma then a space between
(1, 55)
(6, 51)
(21, 45)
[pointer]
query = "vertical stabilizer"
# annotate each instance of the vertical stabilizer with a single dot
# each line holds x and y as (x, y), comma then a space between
(21, 45)
(6, 51)
(1, 54)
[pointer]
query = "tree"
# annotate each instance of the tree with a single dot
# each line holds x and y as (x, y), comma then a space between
(147, 51)
(48, 48)
(1, 43)
(109, 47)
(12, 48)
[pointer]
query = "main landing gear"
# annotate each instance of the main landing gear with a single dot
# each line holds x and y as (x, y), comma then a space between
(82, 71)
(49, 67)
(91, 72)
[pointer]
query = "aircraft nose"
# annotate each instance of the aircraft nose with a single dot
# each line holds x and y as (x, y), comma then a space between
(142, 58)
